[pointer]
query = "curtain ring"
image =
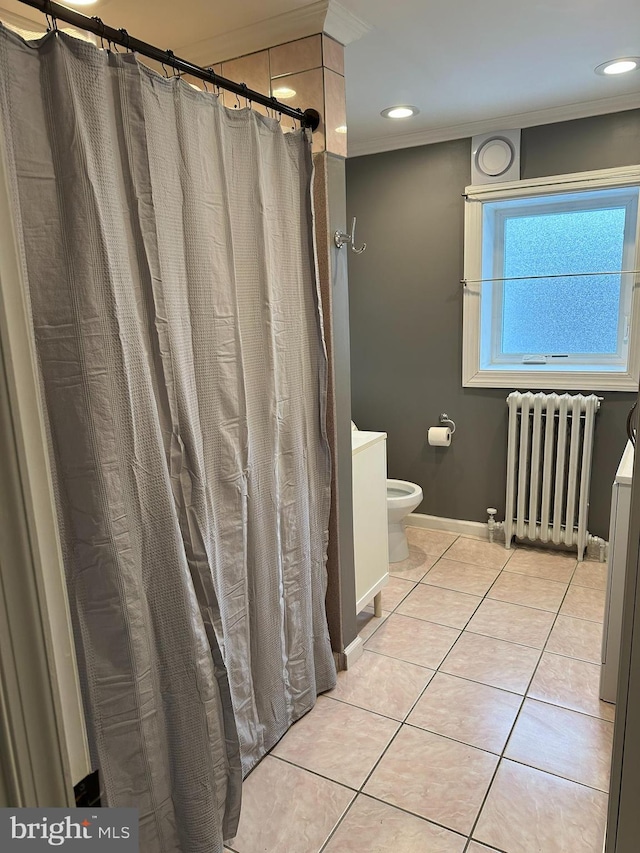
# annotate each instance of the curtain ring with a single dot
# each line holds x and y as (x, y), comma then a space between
(170, 61)
(101, 23)
(164, 67)
(126, 38)
(238, 105)
(52, 22)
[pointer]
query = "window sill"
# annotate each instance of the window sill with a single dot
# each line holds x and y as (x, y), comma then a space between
(566, 380)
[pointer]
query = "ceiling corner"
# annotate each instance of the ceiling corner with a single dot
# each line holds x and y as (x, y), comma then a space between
(288, 26)
(343, 25)
(320, 16)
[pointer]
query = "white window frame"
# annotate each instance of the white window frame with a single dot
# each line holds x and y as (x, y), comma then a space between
(578, 376)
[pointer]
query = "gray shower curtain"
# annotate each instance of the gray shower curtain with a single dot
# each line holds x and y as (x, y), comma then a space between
(168, 253)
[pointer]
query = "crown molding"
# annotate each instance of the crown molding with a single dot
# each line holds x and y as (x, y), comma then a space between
(321, 16)
(343, 25)
(288, 26)
(583, 109)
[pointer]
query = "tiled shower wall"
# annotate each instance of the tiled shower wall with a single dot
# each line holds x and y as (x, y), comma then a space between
(313, 68)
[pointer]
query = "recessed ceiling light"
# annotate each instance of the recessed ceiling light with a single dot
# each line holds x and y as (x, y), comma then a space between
(341, 128)
(403, 111)
(284, 92)
(619, 66)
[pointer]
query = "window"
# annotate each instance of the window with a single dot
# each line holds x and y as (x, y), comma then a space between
(550, 269)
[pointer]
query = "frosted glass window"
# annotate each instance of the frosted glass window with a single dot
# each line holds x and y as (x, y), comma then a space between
(551, 294)
(562, 316)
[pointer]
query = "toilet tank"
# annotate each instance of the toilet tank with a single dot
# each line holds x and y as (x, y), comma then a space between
(370, 527)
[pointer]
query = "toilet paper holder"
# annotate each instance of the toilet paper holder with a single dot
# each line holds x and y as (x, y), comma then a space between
(445, 419)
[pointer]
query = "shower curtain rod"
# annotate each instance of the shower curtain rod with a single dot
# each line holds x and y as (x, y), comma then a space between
(308, 118)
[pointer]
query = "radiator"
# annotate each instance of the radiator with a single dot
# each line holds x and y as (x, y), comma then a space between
(549, 453)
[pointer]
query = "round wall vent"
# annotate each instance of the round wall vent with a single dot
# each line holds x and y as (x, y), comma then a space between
(495, 156)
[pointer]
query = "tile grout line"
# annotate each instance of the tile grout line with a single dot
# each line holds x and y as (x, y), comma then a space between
(384, 752)
(524, 696)
(368, 776)
(337, 826)
(503, 757)
(338, 823)
(503, 601)
(419, 697)
(413, 814)
(500, 757)
(404, 721)
(517, 717)
(388, 746)
(555, 776)
(357, 792)
(315, 773)
(489, 847)
(368, 710)
(482, 598)
(565, 707)
(426, 820)
(400, 724)
(541, 650)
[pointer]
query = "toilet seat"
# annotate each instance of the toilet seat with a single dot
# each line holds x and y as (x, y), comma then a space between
(401, 493)
(402, 498)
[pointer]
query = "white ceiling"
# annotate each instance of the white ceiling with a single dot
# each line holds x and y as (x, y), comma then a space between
(482, 64)
(469, 65)
(171, 24)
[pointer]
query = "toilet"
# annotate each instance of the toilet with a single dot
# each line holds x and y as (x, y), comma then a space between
(402, 498)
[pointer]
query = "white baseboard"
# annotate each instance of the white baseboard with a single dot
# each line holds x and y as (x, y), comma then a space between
(352, 654)
(477, 530)
(452, 525)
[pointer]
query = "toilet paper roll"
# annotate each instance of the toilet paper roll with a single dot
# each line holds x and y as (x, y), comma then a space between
(440, 436)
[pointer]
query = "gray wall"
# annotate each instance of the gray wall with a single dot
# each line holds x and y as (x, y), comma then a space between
(406, 315)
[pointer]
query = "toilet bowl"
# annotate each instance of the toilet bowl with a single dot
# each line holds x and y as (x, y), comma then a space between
(402, 498)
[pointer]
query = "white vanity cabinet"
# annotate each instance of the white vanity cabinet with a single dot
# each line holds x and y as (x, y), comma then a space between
(618, 535)
(370, 526)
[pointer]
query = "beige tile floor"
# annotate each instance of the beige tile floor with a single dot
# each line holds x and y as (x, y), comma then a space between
(471, 723)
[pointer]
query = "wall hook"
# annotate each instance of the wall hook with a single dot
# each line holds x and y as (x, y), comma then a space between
(341, 239)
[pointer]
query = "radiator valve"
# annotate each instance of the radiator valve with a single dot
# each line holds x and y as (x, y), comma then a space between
(491, 523)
